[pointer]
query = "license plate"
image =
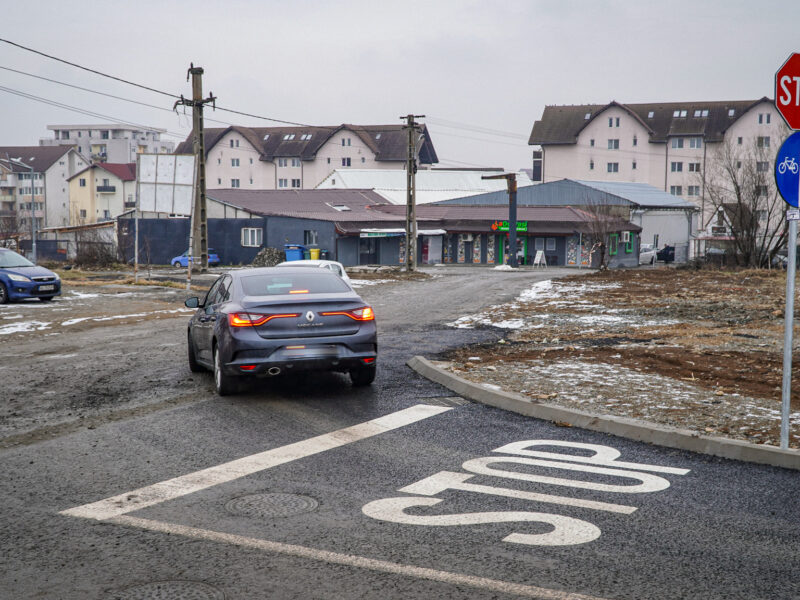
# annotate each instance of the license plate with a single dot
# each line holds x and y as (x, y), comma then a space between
(46, 288)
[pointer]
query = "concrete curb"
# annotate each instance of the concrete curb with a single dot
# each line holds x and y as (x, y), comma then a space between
(659, 435)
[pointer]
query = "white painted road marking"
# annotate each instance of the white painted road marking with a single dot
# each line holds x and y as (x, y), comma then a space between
(361, 562)
(230, 471)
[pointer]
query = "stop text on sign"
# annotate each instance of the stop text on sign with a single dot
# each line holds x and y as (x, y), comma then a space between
(564, 530)
(786, 97)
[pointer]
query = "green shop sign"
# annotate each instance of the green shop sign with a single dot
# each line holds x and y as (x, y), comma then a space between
(503, 226)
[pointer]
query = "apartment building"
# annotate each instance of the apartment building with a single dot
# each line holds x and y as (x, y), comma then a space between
(113, 143)
(266, 158)
(666, 145)
(40, 170)
(102, 192)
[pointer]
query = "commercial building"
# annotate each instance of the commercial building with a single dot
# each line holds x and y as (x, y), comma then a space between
(114, 142)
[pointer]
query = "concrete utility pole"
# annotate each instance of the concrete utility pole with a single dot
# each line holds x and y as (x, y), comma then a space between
(511, 181)
(199, 234)
(411, 198)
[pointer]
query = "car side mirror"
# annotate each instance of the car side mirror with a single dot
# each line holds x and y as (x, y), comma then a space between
(192, 302)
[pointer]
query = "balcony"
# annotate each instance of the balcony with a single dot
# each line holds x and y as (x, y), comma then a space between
(106, 189)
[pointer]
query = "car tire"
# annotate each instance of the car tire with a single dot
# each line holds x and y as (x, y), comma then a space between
(176, 264)
(45, 298)
(363, 375)
(223, 383)
(194, 366)
(3, 293)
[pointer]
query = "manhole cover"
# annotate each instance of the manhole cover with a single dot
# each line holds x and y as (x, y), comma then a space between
(174, 590)
(271, 505)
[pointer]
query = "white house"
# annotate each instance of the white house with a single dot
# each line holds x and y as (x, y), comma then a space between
(263, 158)
(114, 143)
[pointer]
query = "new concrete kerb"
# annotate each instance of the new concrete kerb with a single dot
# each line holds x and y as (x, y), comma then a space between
(628, 428)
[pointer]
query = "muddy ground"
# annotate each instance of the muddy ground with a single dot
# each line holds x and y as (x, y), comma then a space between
(710, 343)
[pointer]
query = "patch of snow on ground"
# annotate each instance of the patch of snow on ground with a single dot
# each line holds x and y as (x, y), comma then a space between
(77, 295)
(22, 327)
(362, 282)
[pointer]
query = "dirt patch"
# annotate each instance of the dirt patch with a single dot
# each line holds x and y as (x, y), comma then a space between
(713, 341)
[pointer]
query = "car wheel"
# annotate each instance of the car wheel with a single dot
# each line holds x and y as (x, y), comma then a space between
(3, 293)
(194, 366)
(362, 375)
(223, 383)
(45, 298)
(176, 264)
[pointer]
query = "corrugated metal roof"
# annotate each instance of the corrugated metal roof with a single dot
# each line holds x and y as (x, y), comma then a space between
(431, 185)
(641, 194)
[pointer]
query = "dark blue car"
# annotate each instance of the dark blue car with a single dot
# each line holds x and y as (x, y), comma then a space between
(183, 259)
(20, 279)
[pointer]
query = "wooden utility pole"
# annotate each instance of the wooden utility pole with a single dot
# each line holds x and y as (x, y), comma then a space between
(511, 182)
(411, 198)
(199, 234)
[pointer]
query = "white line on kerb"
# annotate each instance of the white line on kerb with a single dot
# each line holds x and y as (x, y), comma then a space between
(206, 478)
(361, 562)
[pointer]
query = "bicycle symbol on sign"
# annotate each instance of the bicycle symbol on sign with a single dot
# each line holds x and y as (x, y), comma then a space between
(788, 163)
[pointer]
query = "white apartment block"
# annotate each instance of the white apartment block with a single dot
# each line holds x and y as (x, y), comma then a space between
(665, 145)
(274, 158)
(113, 143)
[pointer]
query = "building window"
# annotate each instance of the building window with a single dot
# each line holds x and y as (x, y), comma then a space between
(219, 161)
(738, 141)
(83, 213)
(310, 237)
(266, 137)
(219, 181)
(676, 167)
(329, 160)
(635, 141)
(295, 183)
(282, 162)
(234, 162)
(251, 181)
(346, 162)
(295, 162)
(251, 237)
(617, 121)
(677, 142)
(363, 160)
(104, 135)
(550, 244)
(345, 141)
(591, 143)
(234, 183)
(731, 112)
(679, 113)
(633, 165)
(761, 190)
(763, 118)
(587, 116)
(761, 215)
(613, 144)
(610, 121)
(288, 137)
(82, 182)
(64, 135)
(693, 190)
(696, 142)
(251, 161)
(738, 164)
(675, 190)
(694, 167)
(613, 167)
(762, 166)
(651, 114)
(305, 137)
(282, 183)
(763, 142)
(591, 165)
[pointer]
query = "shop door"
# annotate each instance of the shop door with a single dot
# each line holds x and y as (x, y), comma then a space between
(368, 251)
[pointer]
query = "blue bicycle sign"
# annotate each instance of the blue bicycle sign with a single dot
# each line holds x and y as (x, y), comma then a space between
(788, 163)
(787, 169)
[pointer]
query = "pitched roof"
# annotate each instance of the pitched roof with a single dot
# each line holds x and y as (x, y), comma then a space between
(124, 171)
(40, 158)
(562, 124)
(387, 142)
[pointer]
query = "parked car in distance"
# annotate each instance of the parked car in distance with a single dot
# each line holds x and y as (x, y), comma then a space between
(183, 259)
(666, 254)
(21, 279)
(331, 265)
(647, 254)
(261, 322)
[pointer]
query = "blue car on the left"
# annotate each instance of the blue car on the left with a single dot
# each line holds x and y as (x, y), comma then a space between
(20, 279)
(183, 259)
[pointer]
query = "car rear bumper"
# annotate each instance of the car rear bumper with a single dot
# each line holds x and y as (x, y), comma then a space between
(302, 357)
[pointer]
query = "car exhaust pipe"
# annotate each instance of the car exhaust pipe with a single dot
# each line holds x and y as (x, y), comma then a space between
(272, 371)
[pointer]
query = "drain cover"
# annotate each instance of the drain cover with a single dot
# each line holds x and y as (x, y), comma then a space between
(271, 505)
(174, 590)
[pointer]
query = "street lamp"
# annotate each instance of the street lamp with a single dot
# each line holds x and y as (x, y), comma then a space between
(33, 217)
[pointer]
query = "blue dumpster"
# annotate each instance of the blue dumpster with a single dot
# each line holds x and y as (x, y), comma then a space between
(294, 251)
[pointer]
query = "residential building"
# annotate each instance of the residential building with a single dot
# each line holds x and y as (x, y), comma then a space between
(670, 145)
(102, 192)
(431, 185)
(51, 167)
(271, 158)
(114, 143)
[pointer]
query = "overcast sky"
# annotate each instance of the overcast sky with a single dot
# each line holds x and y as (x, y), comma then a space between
(474, 68)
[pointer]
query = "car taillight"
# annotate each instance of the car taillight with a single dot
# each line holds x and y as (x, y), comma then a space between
(243, 319)
(364, 313)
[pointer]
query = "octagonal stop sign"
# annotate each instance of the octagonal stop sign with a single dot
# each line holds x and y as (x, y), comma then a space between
(787, 91)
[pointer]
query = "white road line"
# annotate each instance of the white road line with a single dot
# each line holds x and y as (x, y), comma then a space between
(206, 478)
(361, 562)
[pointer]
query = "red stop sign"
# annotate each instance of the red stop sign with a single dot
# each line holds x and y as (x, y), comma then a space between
(787, 91)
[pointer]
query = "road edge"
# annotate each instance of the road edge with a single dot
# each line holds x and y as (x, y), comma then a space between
(659, 435)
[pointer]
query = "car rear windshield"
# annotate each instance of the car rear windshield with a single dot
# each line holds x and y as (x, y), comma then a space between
(318, 281)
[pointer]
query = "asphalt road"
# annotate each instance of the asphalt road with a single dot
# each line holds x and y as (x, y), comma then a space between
(309, 488)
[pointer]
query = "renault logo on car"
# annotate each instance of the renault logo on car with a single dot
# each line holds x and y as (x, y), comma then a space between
(309, 316)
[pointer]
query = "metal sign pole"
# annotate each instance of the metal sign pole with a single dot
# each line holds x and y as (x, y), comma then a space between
(788, 329)
(136, 223)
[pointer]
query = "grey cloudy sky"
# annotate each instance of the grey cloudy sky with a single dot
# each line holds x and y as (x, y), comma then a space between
(475, 68)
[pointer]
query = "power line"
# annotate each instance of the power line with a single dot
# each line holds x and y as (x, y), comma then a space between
(475, 128)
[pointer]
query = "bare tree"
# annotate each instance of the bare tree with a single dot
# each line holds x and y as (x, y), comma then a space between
(741, 194)
(603, 219)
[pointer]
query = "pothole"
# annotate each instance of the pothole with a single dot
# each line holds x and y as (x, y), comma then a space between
(271, 505)
(170, 590)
